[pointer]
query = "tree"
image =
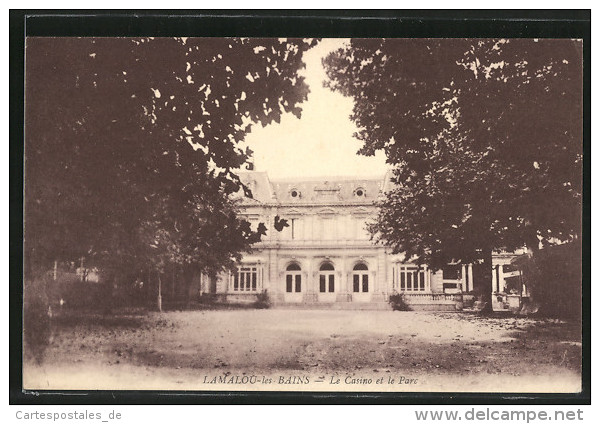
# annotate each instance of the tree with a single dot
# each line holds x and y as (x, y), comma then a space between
(553, 279)
(132, 146)
(485, 137)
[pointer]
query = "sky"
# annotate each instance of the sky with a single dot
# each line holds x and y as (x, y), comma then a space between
(321, 142)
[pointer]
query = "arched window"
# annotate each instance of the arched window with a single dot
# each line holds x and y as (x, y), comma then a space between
(327, 267)
(293, 278)
(327, 278)
(360, 278)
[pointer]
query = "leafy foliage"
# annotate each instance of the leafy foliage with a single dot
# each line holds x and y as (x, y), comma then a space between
(280, 223)
(485, 137)
(263, 300)
(398, 302)
(132, 146)
(554, 278)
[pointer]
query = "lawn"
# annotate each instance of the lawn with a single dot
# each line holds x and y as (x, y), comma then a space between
(280, 349)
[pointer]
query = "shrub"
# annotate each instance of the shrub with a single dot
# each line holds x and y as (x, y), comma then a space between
(554, 278)
(262, 300)
(398, 303)
(206, 298)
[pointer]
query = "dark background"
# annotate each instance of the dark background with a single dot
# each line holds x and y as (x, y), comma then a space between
(277, 23)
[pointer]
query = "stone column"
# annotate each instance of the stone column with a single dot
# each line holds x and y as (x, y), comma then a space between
(501, 282)
(272, 270)
(375, 288)
(349, 282)
(470, 273)
(463, 278)
(305, 281)
(379, 277)
(311, 294)
(274, 283)
(342, 294)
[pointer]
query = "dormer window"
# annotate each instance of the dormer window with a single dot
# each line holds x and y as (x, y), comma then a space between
(360, 192)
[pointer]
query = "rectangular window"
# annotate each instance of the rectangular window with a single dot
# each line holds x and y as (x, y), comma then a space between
(298, 283)
(412, 278)
(365, 283)
(331, 283)
(322, 283)
(245, 279)
(288, 283)
(356, 283)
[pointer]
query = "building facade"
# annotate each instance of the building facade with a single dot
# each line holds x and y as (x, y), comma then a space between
(323, 253)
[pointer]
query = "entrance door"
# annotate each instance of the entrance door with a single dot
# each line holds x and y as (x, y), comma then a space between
(361, 289)
(327, 283)
(293, 283)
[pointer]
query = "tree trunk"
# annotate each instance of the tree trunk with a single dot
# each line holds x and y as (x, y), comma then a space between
(188, 275)
(486, 283)
(159, 295)
(107, 294)
(173, 281)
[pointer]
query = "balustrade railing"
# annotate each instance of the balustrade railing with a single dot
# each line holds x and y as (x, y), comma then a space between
(453, 297)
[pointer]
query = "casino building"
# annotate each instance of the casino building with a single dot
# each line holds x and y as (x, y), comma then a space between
(324, 256)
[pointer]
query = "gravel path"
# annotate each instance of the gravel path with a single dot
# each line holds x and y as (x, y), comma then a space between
(296, 349)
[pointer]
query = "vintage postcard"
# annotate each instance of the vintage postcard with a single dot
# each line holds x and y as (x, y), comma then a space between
(303, 214)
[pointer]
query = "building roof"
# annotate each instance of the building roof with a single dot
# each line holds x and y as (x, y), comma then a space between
(311, 190)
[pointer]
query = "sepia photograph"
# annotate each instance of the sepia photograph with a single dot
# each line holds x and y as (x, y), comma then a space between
(261, 214)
